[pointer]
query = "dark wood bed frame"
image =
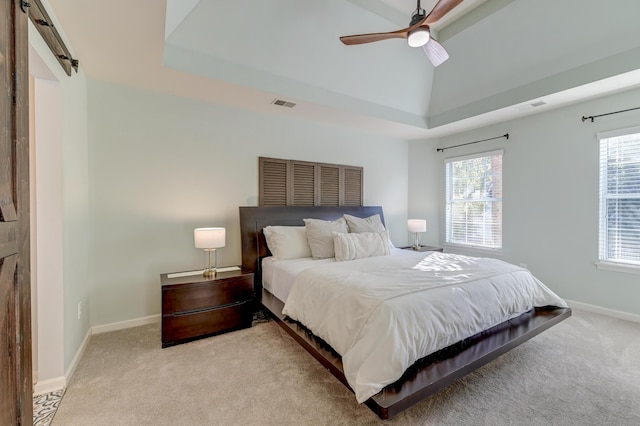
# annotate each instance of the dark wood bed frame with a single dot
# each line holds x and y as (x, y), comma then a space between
(425, 377)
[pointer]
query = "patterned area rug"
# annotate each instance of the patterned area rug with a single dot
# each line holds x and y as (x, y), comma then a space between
(45, 406)
(260, 316)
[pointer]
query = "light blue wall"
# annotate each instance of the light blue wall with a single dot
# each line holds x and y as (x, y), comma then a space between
(161, 165)
(73, 187)
(424, 189)
(550, 196)
(75, 193)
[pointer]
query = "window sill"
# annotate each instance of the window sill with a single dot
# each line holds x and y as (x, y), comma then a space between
(618, 267)
(473, 249)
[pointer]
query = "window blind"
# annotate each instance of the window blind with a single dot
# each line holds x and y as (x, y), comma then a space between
(474, 200)
(620, 196)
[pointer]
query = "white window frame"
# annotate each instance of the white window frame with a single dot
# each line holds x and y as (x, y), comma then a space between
(495, 249)
(604, 260)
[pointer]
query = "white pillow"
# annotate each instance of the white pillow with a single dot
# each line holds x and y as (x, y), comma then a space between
(359, 245)
(320, 235)
(368, 224)
(287, 242)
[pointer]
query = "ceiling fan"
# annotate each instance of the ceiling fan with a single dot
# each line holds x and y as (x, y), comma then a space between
(417, 33)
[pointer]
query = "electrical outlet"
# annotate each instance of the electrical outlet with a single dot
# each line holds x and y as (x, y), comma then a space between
(79, 310)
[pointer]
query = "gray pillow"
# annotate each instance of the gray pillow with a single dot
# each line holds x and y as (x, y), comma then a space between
(320, 235)
(368, 224)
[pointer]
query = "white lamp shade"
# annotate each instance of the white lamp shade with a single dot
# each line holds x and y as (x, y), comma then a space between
(417, 225)
(209, 237)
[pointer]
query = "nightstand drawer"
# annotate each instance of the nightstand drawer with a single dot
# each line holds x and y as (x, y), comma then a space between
(178, 328)
(194, 306)
(195, 297)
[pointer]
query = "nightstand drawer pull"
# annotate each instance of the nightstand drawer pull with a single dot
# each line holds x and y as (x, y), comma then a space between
(214, 308)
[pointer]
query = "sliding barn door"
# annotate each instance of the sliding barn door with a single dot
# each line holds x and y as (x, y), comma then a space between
(16, 399)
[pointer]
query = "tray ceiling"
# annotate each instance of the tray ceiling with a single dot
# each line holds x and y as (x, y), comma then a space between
(244, 54)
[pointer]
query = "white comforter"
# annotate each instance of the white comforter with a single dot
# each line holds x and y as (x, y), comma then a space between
(382, 314)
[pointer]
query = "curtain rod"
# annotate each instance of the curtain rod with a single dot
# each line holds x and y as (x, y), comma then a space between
(593, 117)
(506, 135)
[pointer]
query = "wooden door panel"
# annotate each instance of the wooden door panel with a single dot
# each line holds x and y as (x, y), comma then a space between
(9, 388)
(16, 403)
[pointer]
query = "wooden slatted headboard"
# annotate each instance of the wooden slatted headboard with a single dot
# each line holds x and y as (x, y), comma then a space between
(254, 219)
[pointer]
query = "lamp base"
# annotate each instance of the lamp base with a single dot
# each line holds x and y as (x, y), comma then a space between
(210, 270)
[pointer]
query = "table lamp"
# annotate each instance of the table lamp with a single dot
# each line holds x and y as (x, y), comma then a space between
(417, 226)
(209, 239)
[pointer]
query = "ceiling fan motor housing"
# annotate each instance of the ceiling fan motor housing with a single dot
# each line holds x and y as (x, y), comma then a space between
(417, 16)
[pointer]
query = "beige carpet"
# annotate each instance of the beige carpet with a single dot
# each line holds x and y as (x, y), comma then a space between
(584, 371)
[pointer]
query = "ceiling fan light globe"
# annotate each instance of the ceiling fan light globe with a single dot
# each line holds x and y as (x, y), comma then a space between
(418, 37)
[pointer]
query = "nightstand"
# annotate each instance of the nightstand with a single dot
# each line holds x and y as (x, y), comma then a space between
(194, 306)
(424, 248)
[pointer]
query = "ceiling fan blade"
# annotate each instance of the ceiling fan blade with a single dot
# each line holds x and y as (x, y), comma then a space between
(440, 9)
(436, 52)
(368, 38)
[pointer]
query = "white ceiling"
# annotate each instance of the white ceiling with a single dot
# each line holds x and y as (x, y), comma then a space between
(383, 87)
(407, 7)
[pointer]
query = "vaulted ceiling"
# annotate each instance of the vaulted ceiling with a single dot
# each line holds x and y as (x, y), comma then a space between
(505, 57)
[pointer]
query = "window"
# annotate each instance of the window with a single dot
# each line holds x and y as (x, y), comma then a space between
(620, 197)
(474, 200)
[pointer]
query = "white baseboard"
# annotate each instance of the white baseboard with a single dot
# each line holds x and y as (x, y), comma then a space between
(604, 311)
(58, 383)
(49, 385)
(76, 359)
(152, 319)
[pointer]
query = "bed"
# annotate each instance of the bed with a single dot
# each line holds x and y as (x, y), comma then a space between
(423, 376)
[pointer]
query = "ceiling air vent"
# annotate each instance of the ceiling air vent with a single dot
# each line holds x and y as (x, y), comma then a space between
(530, 106)
(282, 103)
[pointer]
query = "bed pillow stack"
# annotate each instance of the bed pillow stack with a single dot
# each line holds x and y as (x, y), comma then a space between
(367, 238)
(367, 224)
(346, 238)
